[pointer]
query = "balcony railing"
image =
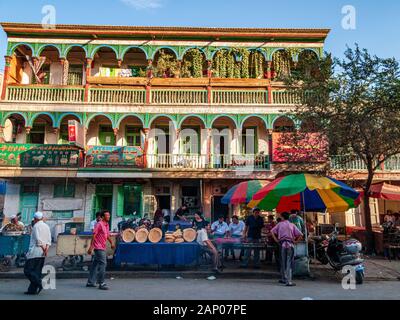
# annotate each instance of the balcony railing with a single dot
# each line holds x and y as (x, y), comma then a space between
(45, 94)
(119, 96)
(217, 162)
(138, 95)
(178, 96)
(352, 163)
(240, 97)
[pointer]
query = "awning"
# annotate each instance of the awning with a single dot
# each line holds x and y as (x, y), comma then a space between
(385, 191)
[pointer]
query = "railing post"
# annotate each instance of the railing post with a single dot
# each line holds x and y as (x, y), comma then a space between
(6, 77)
(270, 95)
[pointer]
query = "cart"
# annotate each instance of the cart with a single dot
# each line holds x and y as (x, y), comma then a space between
(75, 247)
(13, 246)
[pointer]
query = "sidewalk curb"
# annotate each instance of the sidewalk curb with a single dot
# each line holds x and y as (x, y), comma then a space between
(151, 274)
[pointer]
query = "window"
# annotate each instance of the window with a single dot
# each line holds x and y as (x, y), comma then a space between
(106, 135)
(64, 191)
(133, 136)
(75, 75)
(130, 199)
(249, 141)
(37, 134)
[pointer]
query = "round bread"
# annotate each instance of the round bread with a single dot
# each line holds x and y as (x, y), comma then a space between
(189, 235)
(128, 235)
(179, 240)
(155, 235)
(169, 240)
(142, 235)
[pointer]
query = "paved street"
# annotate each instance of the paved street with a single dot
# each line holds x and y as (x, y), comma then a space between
(202, 289)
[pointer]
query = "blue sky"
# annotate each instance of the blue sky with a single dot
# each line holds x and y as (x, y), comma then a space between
(377, 22)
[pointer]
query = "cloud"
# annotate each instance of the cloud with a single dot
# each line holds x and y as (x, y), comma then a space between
(144, 4)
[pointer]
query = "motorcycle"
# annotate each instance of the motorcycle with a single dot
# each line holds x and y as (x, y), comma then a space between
(338, 254)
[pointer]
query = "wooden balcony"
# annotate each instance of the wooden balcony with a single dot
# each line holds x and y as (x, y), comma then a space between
(158, 91)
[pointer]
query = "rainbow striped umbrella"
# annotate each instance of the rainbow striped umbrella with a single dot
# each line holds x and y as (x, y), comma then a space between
(242, 192)
(306, 192)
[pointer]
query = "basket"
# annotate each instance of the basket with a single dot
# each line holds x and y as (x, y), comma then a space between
(189, 235)
(142, 235)
(128, 235)
(155, 235)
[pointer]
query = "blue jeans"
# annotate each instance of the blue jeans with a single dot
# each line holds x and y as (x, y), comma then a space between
(248, 254)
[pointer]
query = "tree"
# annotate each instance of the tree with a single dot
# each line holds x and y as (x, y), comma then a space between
(355, 103)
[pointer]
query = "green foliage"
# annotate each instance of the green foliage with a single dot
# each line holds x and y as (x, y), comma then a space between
(192, 65)
(355, 103)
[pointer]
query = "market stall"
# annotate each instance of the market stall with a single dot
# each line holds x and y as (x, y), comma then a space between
(146, 246)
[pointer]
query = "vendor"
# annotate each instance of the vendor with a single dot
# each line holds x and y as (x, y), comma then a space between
(14, 220)
(199, 222)
(219, 229)
(180, 214)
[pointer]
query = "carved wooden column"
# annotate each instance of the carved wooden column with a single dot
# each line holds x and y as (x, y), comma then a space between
(270, 144)
(65, 70)
(209, 75)
(149, 77)
(6, 77)
(146, 132)
(269, 77)
(88, 74)
(209, 145)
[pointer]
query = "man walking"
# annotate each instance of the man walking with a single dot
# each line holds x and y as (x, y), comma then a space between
(38, 250)
(98, 246)
(287, 235)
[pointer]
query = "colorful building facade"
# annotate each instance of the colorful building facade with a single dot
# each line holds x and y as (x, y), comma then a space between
(165, 116)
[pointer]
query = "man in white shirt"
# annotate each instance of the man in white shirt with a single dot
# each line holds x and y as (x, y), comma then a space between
(219, 228)
(208, 246)
(96, 221)
(38, 250)
(236, 229)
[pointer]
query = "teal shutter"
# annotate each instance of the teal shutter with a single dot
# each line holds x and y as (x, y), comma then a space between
(120, 201)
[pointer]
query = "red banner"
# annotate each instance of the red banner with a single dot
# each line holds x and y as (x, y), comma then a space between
(76, 133)
(299, 147)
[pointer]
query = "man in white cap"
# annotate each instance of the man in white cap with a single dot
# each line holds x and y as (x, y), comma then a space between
(15, 221)
(38, 250)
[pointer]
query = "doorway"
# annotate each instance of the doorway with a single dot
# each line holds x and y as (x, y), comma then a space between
(29, 202)
(164, 202)
(218, 208)
(103, 199)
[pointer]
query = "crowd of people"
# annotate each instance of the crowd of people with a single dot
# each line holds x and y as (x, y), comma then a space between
(280, 233)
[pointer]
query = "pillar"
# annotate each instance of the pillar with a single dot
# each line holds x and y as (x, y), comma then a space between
(209, 146)
(6, 77)
(270, 144)
(65, 70)
(146, 132)
(88, 74)
(149, 77)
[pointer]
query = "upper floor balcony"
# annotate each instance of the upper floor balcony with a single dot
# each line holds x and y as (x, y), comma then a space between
(159, 75)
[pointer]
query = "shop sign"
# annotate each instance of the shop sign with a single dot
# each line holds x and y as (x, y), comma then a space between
(34, 155)
(109, 156)
(299, 148)
(76, 133)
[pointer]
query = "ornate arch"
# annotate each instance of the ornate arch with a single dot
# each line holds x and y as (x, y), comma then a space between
(44, 46)
(124, 116)
(216, 117)
(66, 114)
(258, 116)
(174, 50)
(155, 116)
(94, 115)
(38, 114)
(197, 116)
(124, 51)
(9, 114)
(98, 47)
